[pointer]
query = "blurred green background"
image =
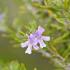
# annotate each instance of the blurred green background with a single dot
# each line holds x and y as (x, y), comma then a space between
(20, 17)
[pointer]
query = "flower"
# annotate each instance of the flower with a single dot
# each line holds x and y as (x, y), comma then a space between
(2, 17)
(31, 43)
(40, 38)
(34, 39)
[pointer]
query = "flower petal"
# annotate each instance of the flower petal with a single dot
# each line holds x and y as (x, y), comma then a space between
(31, 36)
(25, 44)
(42, 44)
(35, 47)
(46, 38)
(29, 49)
(40, 30)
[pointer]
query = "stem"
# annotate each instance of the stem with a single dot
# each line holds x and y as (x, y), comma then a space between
(60, 61)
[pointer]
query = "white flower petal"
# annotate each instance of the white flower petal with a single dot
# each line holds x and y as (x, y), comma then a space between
(46, 38)
(42, 44)
(36, 47)
(25, 44)
(29, 49)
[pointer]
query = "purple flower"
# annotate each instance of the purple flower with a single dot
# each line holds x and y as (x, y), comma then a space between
(40, 38)
(34, 40)
(2, 17)
(31, 43)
